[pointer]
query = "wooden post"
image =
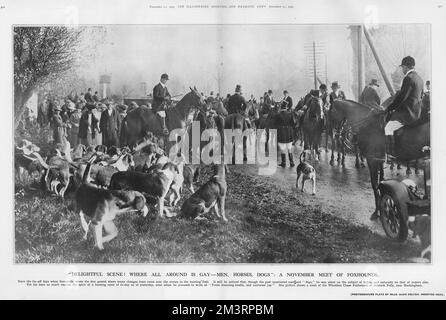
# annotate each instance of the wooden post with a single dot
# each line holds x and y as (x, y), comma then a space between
(314, 65)
(361, 76)
(378, 62)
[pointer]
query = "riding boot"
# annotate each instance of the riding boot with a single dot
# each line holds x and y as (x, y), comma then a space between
(390, 146)
(290, 156)
(163, 125)
(283, 163)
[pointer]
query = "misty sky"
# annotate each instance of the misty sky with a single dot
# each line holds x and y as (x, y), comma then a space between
(259, 57)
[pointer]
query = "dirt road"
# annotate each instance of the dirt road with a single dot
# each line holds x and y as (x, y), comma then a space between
(344, 192)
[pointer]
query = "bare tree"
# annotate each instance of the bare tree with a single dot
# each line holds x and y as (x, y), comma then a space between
(40, 54)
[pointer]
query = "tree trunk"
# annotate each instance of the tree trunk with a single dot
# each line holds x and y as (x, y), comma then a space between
(20, 100)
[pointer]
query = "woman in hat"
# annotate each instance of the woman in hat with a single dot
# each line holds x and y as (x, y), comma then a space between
(59, 126)
(74, 121)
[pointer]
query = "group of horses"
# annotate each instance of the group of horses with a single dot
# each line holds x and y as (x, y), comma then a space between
(348, 125)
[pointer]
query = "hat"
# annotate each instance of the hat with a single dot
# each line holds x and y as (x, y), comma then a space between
(238, 88)
(270, 91)
(428, 82)
(408, 62)
(314, 93)
(165, 76)
(285, 92)
(323, 87)
(335, 84)
(374, 82)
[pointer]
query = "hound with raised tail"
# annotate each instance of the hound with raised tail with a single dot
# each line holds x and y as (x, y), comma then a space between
(307, 172)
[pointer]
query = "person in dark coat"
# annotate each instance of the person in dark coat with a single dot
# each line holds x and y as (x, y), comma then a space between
(406, 106)
(287, 101)
(268, 104)
(284, 123)
(89, 97)
(236, 103)
(88, 126)
(426, 100)
(108, 125)
(369, 95)
(336, 92)
(96, 97)
(59, 127)
(161, 100)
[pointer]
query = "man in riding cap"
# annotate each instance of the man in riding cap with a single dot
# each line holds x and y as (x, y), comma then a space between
(336, 92)
(161, 100)
(406, 105)
(369, 95)
(287, 101)
(284, 123)
(237, 103)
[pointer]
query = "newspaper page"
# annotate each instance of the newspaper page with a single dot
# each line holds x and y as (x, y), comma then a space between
(255, 149)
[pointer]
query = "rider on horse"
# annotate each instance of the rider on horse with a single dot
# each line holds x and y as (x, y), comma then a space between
(406, 106)
(161, 100)
(236, 102)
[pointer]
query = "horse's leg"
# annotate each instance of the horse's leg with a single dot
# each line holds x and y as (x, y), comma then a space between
(416, 167)
(357, 164)
(333, 145)
(375, 169)
(362, 160)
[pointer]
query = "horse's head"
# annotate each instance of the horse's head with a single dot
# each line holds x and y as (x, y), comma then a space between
(314, 107)
(196, 99)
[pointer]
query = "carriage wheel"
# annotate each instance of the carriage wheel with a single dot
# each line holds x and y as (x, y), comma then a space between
(392, 220)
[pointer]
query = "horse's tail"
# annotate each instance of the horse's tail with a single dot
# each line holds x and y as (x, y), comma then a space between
(123, 133)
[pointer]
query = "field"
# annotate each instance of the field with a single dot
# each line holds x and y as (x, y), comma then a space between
(268, 223)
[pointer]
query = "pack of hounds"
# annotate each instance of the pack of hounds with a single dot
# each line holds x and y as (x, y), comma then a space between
(112, 181)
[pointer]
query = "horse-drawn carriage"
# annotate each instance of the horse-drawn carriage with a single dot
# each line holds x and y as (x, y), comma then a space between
(399, 201)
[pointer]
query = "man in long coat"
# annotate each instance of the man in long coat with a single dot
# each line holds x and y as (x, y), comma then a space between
(161, 100)
(406, 106)
(108, 124)
(237, 103)
(284, 123)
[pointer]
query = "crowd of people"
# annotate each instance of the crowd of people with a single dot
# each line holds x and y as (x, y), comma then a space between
(88, 120)
(82, 119)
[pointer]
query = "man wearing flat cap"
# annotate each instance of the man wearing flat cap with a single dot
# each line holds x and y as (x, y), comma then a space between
(369, 95)
(161, 100)
(236, 102)
(406, 105)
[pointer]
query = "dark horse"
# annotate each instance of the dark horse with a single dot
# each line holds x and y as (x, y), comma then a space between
(142, 120)
(312, 125)
(371, 141)
(343, 120)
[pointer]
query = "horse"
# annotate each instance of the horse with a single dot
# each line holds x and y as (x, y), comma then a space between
(298, 114)
(343, 117)
(142, 120)
(237, 121)
(312, 125)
